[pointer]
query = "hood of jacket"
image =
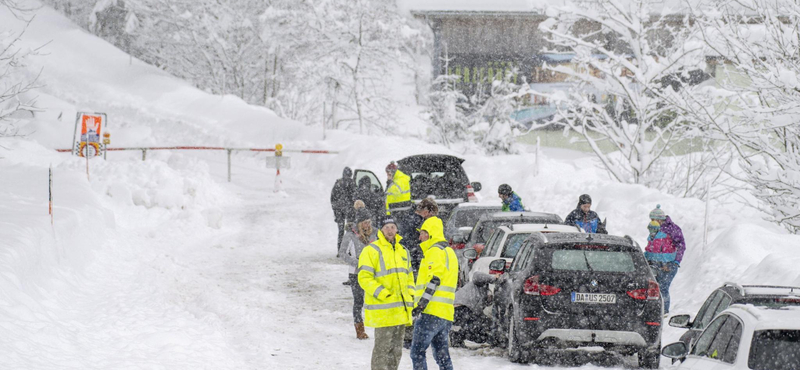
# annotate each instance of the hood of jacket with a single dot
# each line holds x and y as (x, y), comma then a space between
(435, 229)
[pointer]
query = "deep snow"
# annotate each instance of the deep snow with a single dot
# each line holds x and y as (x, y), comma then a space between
(163, 264)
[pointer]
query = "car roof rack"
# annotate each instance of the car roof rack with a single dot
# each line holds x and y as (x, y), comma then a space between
(734, 285)
(791, 288)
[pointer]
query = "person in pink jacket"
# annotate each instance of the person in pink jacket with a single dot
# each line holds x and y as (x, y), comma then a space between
(664, 251)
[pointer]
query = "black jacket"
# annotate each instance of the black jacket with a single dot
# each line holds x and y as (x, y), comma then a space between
(374, 202)
(588, 222)
(342, 198)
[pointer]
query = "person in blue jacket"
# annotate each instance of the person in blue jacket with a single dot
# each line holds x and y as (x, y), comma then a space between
(585, 218)
(511, 201)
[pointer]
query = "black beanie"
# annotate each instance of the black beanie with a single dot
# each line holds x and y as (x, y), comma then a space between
(388, 220)
(584, 199)
(363, 214)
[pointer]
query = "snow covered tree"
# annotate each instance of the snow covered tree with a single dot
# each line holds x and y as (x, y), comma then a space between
(756, 106)
(492, 121)
(447, 111)
(15, 79)
(630, 60)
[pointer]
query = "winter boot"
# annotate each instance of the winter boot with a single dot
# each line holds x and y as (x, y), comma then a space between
(360, 333)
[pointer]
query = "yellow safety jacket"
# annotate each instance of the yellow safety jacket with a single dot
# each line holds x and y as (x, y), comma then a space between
(398, 194)
(439, 260)
(384, 271)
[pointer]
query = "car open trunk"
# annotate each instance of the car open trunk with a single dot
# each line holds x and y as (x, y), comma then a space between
(437, 175)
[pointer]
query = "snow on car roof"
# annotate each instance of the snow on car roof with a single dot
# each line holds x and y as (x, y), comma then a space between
(768, 318)
(772, 290)
(477, 205)
(529, 228)
(522, 214)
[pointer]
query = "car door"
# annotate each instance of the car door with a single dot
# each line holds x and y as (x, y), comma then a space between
(716, 303)
(717, 346)
(376, 184)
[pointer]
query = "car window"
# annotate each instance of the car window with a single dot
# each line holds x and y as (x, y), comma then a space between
(718, 349)
(775, 350)
(513, 243)
(587, 260)
(524, 257)
(493, 244)
(704, 342)
(733, 345)
(702, 321)
(724, 303)
(469, 217)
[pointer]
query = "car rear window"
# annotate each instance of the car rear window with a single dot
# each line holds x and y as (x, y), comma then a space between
(470, 217)
(592, 260)
(775, 350)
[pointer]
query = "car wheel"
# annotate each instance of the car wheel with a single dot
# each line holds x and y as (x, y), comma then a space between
(515, 352)
(648, 359)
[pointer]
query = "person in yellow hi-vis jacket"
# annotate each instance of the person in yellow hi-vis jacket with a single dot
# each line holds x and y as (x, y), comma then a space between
(384, 272)
(435, 291)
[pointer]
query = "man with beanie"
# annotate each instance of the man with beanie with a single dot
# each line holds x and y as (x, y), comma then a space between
(342, 201)
(583, 217)
(435, 291)
(359, 234)
(511, 201)
(664, 252)
(384, 272)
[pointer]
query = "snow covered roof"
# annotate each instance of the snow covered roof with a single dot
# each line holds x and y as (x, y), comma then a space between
(768, 318)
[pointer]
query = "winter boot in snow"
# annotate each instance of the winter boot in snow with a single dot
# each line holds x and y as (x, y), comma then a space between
(360, 333)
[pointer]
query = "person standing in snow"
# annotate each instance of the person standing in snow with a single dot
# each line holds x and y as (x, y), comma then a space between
(342, 201)
(511, 201)
(435, 291)
(664, 251)
(384, 272)
(373, 200)
(398, 197)
(359, 234)
(583, 217)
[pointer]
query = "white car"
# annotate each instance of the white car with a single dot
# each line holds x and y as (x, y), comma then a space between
(505, 241)
(744, 337)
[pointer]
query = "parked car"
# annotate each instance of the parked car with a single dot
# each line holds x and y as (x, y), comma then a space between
(506, 241)
(439, 176)
(466, 215)
(488, 223)
(432, 175)
(727, 295)
(744, 337)
(572, 290)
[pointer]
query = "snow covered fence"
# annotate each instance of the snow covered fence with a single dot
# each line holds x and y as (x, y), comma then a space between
(229, 150)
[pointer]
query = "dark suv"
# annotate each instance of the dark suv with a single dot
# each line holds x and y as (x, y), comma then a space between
(432, 175)
(727, 295)
(569, 290)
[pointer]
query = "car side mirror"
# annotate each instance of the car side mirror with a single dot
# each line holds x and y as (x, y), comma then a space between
(476, 186)
(676, 351)
(471, 254)
(680, 321)
(498, 265)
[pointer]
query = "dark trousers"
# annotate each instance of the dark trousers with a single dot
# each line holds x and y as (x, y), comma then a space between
(358, 298)
(431, 331)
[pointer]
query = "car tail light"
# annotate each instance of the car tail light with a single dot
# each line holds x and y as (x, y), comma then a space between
(471, 194)
(532, 287)
(457, 245)
(789, 300)
(651, 293)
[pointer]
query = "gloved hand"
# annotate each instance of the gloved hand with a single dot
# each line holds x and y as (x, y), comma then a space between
(417, 311)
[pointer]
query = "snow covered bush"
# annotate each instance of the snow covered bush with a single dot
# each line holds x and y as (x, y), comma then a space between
(630, 61)
(756, 105)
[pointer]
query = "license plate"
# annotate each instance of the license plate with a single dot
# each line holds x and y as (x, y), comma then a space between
(594, 298)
